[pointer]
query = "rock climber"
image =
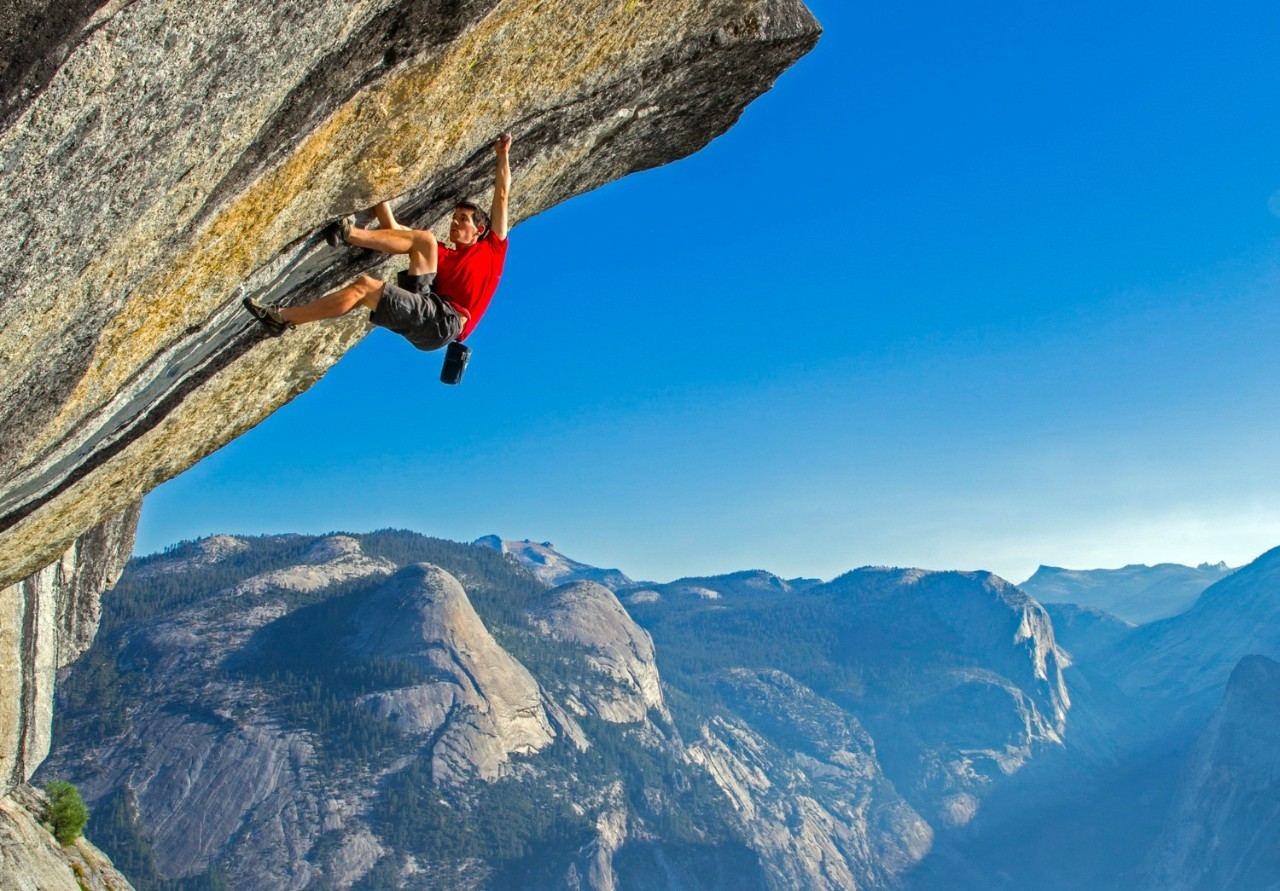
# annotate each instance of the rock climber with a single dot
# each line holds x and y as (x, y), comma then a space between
(441, 297)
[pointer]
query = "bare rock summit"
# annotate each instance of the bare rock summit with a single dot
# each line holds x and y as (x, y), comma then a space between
(615, 647)
(487, 705)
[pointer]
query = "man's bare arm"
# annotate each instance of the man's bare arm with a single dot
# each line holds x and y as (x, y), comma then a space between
(501, 188)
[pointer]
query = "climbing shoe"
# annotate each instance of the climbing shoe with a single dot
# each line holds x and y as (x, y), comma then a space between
(269, 316)
(336, 232)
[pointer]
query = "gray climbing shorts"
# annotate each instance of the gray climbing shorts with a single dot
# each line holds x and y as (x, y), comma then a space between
(412, 310)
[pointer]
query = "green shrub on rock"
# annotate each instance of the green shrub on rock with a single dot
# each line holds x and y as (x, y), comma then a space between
(67, 813)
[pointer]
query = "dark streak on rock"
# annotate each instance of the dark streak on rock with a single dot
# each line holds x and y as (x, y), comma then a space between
(36, 37)
(84, 462)
(27, 698)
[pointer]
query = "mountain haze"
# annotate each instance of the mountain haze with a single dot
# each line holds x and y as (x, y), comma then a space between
(1135, 593)
(1223, 830)
(1189, 657)
(1145, 792)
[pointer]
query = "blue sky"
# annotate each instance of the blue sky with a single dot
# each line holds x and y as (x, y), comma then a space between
(979, 287)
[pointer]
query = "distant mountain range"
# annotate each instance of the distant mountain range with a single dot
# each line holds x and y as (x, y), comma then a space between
(1135, 593)
(387, 710)
(1188, 657)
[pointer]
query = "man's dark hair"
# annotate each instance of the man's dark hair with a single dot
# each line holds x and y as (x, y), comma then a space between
(478, 216)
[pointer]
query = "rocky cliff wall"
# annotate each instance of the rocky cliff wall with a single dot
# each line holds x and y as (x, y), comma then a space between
(47, 621)
(159, 158)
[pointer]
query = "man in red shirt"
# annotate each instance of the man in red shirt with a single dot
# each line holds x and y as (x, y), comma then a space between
(445, 291)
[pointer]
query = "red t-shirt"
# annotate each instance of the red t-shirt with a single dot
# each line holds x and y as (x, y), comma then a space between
(467, 278)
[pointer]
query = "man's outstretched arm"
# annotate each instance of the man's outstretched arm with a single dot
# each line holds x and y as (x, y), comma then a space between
(501, 188)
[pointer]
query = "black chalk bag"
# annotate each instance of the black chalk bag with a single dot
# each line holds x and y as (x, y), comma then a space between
(455, 362)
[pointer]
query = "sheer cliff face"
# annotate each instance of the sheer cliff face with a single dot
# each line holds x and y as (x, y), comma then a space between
(1221, 829)
(161, 159)
(46, 622)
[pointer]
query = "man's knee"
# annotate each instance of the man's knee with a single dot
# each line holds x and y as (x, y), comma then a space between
(423, 255)
(368, 290)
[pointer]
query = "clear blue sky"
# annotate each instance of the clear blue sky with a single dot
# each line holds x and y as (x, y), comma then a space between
(976, 286)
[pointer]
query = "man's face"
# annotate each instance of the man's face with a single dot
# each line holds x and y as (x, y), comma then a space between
(463, 230)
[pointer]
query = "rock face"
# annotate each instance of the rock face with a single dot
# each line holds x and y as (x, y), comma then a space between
(484, 707)
(618, 649)
(803, 775)
(32, 860)
(206, 758)
(196, 784)
(177, 156)
(1224, 827)
(46, 622)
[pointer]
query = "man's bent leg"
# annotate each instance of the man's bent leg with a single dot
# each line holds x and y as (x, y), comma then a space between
(388, 241)
(364, 291)
(419, 244)
(425, 254)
